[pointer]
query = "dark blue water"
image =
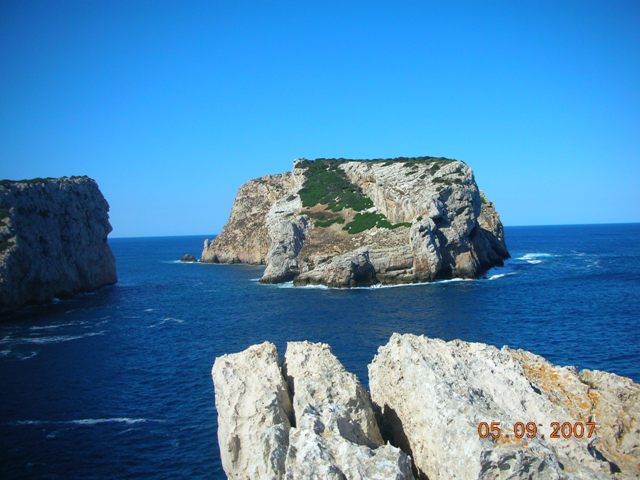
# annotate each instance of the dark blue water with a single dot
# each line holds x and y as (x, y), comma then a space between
(117, 384)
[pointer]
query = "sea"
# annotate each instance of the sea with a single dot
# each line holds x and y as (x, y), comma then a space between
(116, 384)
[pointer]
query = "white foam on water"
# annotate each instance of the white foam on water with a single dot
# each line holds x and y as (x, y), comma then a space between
(46, 340)
(28, 356)
(86, 421)
(56, 325)
(375, 286)
(148, 309)
(500, 275)
(98, 421)
(536, 258)
(166, 320)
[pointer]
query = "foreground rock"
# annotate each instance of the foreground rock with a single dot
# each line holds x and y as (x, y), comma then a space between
(53, 240)
(254, 413)
(328, 431)
(432, 395)
(188, 258)
(346, 223)
(312, 419)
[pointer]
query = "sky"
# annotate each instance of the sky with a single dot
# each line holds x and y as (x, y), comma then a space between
(171, 106)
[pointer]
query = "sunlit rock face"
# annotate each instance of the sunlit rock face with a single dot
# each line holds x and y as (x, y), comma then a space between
(432, 395)
(345, 223)
(311, 418)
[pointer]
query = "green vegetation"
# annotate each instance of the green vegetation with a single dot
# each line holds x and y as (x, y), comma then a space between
(325, 219)
(327, 184)
(328, 222)
(448, 181)
(4, 213)
(388, 161)
(365, 221)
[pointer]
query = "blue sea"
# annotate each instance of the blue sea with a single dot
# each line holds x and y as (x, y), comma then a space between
(116, 384)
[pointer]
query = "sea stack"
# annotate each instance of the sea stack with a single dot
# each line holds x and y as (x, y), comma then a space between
(345, 223)
(53, 240)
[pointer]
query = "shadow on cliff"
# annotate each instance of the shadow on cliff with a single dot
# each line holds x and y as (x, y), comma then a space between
(392, 431)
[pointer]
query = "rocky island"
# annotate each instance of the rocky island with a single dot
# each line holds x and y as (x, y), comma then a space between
(311, 419)
(346, 223)
(53, 240)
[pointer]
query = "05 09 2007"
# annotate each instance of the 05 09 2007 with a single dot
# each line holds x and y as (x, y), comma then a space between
(532, 429)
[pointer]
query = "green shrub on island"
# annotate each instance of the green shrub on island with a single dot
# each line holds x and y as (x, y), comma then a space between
(327, 184)
(328, 222)
(365, 221)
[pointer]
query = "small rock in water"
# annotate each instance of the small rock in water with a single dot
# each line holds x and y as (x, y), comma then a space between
(188, 258)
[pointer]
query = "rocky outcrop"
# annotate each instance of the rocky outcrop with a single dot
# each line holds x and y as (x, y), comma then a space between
(312, 419)
(316, 424)
(346, 223)
(254, 413)
(188, 258)
(432, 395)
(245, 237)
(53, 240)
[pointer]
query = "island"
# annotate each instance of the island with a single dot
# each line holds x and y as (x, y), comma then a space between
(347, 223)
(53, 240)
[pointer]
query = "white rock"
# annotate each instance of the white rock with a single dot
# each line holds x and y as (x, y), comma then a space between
(254, 409)
(336, 434)
(432, 395)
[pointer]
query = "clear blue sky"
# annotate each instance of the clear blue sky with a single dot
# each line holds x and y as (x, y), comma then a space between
(171, 106)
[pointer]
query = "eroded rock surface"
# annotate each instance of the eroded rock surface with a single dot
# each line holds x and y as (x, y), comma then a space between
(320, 426)
(344, 223)
(431, 395)
(311, 419)
(245, 237)
(254, 412)
(53, 240)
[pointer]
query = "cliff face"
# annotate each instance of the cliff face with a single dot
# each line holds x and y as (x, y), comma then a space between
(347, 222)
(245, 238)
(53, 240)
(312, 419)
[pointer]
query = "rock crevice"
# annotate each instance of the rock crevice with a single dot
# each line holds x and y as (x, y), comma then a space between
(313, 419)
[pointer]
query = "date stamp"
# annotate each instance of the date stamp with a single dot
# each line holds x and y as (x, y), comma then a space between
(521, 430)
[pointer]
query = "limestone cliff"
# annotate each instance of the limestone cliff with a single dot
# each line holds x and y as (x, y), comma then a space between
(313, 419)
(53, 240)
(344, 223)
